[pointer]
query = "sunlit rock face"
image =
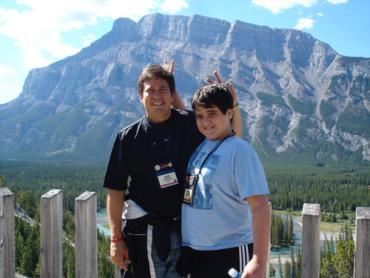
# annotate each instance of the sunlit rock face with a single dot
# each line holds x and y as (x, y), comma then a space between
(301, 100)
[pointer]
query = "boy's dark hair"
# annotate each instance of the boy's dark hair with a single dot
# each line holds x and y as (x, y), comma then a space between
(155, 72)
(213, 95)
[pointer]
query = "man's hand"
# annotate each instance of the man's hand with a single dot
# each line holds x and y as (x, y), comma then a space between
(236, 123)
(119, 254)
(228, 84)
(254, 269)
(169, 66)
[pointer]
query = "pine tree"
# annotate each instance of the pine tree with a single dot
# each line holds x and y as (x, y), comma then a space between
(280, 267)
(288, 270)
(344, 257)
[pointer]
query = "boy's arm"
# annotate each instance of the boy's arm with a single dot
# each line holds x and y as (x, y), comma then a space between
(260, 208)
(118, 249)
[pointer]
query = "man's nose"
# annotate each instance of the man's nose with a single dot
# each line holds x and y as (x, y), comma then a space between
(157, 94)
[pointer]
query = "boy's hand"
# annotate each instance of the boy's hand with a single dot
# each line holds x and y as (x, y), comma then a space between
(254, 270)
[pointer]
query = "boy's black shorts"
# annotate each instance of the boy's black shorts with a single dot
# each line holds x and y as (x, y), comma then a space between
(215, 263)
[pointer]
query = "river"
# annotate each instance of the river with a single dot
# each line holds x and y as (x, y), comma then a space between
(283, 253)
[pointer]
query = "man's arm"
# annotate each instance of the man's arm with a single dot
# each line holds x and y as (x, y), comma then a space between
(118, 248)
(236, 123)
(260, 208)
(177, 102)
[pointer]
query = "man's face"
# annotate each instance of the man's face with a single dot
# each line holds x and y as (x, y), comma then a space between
(157, 100)
(212, 123)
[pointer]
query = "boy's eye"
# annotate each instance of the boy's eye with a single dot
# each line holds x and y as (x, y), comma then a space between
(198, 116)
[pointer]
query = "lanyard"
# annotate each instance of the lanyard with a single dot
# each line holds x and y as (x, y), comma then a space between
(211, 152)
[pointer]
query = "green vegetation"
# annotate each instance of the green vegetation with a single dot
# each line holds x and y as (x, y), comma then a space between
(268, 100)
(281, 231)
(28, 181)
(355, 120)
(328, 112)
(338, 189)
(307, 108)
(339, 262)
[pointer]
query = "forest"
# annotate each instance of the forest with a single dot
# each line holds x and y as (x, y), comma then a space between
(338, 189)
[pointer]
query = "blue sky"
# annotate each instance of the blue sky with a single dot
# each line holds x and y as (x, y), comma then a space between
(35, 33)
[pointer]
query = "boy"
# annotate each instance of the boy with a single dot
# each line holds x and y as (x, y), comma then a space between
(225, 182)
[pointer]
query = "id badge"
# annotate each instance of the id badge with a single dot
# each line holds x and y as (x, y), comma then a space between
(166, 175)
(190, 182)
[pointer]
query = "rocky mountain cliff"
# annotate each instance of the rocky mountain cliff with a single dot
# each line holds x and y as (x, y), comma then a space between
(301, 100)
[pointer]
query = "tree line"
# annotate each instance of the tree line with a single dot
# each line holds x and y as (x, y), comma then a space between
(338, 190)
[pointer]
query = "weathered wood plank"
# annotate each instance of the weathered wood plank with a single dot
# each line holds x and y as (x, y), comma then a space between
(86, 236)
(310, 240)
(51, 233)
(362, 253)
(7, 254)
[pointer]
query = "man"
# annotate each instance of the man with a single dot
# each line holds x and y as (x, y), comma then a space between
(148, 161)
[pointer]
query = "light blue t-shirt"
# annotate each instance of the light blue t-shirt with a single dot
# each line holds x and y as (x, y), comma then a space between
(220, 217)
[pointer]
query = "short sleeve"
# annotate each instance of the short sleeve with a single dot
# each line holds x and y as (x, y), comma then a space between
(117, 170)
(249, 174)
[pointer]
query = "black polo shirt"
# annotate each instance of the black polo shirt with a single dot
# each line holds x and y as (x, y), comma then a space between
(143, 145)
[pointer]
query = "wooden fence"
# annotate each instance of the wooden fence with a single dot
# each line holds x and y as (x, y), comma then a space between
(51, 237)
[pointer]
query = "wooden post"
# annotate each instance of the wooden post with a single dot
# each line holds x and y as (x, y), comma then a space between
(362, 253)
(86, 236)
(51, 233)
(311, 241)
(268, 258)
(7, 255)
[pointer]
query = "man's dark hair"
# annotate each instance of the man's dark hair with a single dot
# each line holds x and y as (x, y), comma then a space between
(213, 95)
(155, 72)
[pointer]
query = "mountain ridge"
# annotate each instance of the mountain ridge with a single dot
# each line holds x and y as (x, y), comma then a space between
(300, 99)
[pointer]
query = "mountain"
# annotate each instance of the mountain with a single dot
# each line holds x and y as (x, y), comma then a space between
(301, 100)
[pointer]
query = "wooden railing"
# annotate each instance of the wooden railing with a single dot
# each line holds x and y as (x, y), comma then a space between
(51, 236)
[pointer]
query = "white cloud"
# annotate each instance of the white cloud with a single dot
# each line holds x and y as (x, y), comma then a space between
(320, 14)
(277, 6)
(8, 89)
(304, 23)
(10, 85)
(173, 6)
(88, 39)
(38, 28)
(6, 71)
(336, 2)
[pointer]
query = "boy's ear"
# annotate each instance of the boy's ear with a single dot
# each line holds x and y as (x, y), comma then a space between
(230, 113)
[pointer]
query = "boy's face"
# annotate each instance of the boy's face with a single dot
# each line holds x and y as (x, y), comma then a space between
(157, 100)
(212, 123)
